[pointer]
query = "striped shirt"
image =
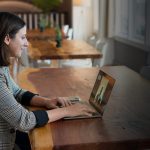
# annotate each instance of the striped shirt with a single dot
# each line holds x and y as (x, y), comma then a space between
(13, 115)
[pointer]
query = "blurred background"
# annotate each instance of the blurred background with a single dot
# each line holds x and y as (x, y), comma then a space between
(119, 29)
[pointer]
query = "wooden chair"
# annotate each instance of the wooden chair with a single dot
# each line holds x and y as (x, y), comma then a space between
(65, 29)
(71, 63)
(70, 34)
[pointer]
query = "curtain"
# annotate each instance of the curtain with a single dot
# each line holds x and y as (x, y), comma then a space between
(147, 39)
(106, 25)
(111, 18)
(103, 11)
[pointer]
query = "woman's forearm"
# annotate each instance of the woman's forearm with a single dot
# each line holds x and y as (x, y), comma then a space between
(56, 114)
(38, 101)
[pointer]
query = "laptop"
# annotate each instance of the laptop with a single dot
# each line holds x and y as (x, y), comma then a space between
(99, 96)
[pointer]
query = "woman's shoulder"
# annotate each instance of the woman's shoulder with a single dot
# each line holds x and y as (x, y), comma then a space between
(3, 70)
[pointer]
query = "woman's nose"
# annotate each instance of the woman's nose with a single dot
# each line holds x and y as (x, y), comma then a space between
(26, 43)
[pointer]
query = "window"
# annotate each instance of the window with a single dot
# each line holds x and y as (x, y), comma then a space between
(130, 20)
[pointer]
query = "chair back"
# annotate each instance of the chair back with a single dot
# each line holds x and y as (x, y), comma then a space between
(65, 29)
(70, 34)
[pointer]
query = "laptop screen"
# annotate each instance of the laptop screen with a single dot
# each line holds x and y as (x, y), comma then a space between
(101, 91)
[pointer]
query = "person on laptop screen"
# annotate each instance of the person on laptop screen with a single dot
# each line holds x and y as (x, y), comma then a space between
(13, 115)
(101, 90)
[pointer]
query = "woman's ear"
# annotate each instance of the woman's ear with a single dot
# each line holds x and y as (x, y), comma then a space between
(7, 40)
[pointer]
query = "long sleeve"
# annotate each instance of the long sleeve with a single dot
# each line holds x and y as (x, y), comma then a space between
(22, 96)
(11, 111)
(16, 90)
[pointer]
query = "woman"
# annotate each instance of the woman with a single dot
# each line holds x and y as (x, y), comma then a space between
(13, 115)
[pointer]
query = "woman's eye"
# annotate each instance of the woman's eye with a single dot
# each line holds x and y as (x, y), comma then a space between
(23, 37)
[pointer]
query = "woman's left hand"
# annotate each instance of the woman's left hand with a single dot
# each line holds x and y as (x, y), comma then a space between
(57, 102)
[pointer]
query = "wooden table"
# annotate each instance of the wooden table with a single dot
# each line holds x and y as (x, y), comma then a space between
(126, 121)
(71, 49)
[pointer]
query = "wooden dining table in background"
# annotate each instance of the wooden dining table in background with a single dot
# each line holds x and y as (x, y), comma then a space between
(70, 49)
(126, 121)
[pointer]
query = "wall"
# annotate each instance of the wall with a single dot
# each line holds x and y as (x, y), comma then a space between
(83, 20)
(133, 57)
(130, 25)
(95, 15)
(117, 52)
(17, 6)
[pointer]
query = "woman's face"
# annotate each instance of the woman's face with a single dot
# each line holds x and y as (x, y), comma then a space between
(18, 43)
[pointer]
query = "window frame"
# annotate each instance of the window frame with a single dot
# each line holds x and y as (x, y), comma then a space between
(124, 21)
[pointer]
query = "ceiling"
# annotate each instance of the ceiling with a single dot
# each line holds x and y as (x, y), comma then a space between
(17, 6)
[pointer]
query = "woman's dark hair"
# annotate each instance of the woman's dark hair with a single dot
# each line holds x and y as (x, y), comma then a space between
(10, 24)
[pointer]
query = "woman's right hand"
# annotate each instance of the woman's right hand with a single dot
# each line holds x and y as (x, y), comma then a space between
(79, 109)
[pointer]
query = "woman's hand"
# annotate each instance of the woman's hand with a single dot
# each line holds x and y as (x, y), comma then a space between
(77, 109)
(57, 102)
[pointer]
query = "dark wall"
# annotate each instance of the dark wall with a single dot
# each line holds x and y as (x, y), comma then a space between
(133, 57)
